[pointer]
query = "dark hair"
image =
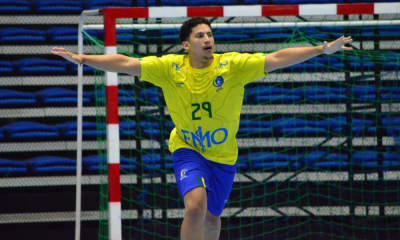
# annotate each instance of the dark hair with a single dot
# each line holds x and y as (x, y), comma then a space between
(187, 26)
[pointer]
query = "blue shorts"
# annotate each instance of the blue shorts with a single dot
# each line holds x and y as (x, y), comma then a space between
(193, 170)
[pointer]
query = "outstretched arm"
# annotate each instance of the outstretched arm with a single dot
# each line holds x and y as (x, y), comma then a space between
(110, 63)
(290, 56)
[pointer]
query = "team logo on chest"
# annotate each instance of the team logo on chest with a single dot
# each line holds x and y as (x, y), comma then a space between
(218, 81)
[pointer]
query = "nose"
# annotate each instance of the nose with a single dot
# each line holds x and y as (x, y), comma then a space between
(206, 39)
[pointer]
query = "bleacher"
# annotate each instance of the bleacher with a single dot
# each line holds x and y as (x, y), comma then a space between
(38, 99)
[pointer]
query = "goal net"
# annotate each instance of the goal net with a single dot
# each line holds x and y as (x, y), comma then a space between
(319, 153)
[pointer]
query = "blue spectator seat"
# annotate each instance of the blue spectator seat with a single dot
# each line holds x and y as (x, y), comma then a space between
(170, 36)
(40, 66)
(15, 6)
(127, 129)
(334, 124)
(51, 164)
(123, 35)
(365, 159)
(1, 134)
(95, 163)
(146, 36)
(150, 95)
(267, 95)
(70, 34)
(89, 129)
(392, 125)
(368, 93)
(242, 163)
(6, 67)
(322, 94)
(22, 35)
(10, 98)
(61, 96)
(322, 160)
(168, 126)
(233, 34)
(27, 130)
(265, 161)
(358, 63)
(253, 127)
(62, 35)
(390, 61)
(151, 129)
(58, 6)
(125, 97)
(12, 167)
(391, 160)
(302, 131)
(99, 4)
(151, 3)
(152, 162)
(274, 34)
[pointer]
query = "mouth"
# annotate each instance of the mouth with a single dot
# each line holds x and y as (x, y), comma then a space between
(207, 48)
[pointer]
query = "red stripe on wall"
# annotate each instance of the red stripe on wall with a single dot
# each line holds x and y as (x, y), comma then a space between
(280, 10)
(112, 104)
(114, 186)
(362, 8)
(205, 11)
(110, 14)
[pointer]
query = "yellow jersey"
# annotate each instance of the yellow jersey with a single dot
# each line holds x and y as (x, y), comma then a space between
(204, 104)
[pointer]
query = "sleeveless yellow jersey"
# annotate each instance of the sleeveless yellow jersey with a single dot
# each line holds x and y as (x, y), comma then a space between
(204, 104)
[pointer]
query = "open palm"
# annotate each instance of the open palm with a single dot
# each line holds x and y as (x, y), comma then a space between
(337, 45)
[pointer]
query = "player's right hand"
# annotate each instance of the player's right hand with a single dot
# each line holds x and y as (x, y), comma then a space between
(72, 57)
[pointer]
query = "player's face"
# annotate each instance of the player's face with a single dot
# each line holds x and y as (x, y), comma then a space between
(201, 43)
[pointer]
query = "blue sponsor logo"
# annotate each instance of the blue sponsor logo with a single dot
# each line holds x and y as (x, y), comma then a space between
(177, 68)
(218, 81)
(222, 64)
(206, 139)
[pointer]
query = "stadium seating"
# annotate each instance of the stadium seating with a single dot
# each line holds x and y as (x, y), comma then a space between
(6, 67)
(58, 6)
(10, 167)
(127, 129)
(90, 130)
(22, 36)
(28, 130)
(10, 98)
(35, 66)
(98, 4)
(51, 165)
(15, 6)
(59, 96)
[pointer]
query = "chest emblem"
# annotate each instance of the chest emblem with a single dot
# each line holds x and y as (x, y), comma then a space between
(218, 81)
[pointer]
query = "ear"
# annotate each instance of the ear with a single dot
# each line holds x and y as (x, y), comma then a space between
(185, 45)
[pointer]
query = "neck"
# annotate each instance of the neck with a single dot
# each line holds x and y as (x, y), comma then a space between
(199, 64)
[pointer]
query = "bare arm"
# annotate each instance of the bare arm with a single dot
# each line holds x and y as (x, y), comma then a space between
(290, 56)
(111, 63)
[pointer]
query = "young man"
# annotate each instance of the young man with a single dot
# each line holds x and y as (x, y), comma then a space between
(204, 93)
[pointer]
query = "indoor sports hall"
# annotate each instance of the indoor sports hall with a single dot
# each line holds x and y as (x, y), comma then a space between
(84, 153)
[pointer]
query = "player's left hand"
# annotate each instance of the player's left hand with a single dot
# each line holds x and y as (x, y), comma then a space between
(337, 45)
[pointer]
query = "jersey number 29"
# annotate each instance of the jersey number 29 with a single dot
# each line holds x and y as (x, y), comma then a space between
(205, 106)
